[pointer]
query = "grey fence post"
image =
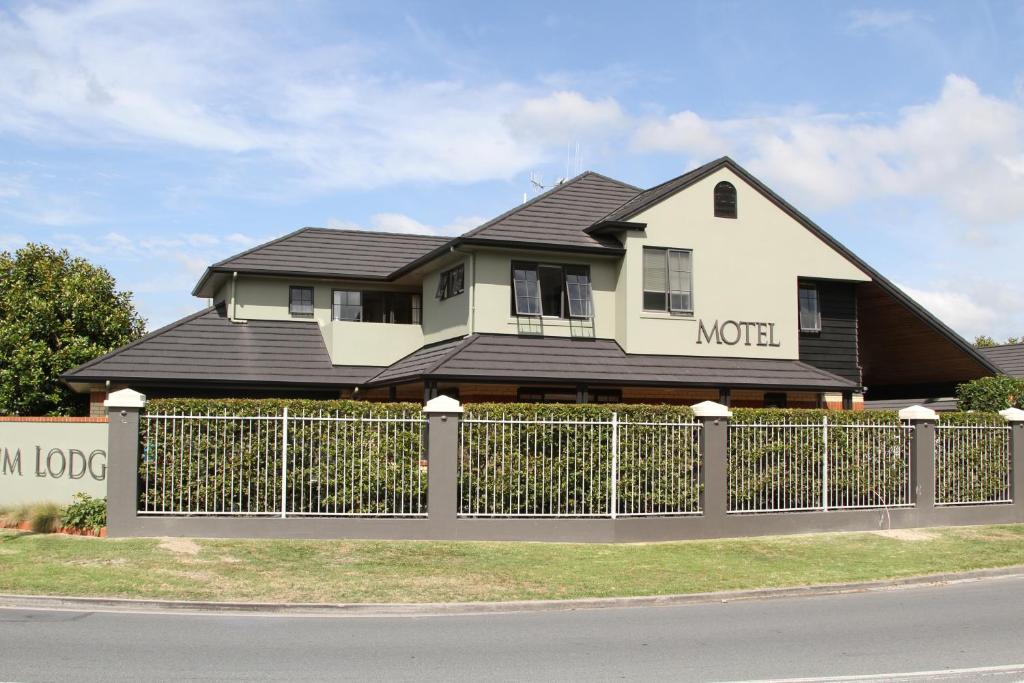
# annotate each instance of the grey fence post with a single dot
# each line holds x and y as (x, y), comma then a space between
(123, 408)
(922, 455)
(443, 417)
(714, 439)
(1015, 417)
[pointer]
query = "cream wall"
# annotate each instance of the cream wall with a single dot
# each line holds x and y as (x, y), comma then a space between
(449, 318)
(493, 287)
(744, 269)
(348, 343)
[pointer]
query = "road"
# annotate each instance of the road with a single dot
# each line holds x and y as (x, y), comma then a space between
(957, 626)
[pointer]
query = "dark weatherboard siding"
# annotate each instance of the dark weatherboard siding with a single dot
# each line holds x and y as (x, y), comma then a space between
(834, 349)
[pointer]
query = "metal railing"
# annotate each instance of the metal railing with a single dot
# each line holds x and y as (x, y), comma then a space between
(972, 464)
(818, 466)
(517, 467)
(281, 465)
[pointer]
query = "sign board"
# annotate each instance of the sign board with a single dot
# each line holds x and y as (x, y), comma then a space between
(51, 461)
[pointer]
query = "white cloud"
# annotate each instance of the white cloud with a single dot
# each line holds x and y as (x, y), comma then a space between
(401, 223)
(565, 116)
(965, 149)
(879, 19)
(197, 74)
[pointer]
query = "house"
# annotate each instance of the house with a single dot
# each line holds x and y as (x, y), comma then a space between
(1008, 359)
(707, 286)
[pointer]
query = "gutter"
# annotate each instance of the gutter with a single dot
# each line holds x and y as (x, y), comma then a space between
(233, 316)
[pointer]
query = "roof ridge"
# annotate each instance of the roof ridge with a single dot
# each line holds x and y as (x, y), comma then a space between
(258, 246)
(353, 231)
(532, 201)
(459, 348)
(1000, 346)
(145, 337)
(651, 190)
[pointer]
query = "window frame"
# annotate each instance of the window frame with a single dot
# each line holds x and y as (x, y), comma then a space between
(811, 287)
(726, 209)
(334, 305)
(669, 292)
(566, 306)
(292, 289)
(451, 282)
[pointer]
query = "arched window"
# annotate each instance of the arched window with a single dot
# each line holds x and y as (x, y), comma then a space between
(725, 200)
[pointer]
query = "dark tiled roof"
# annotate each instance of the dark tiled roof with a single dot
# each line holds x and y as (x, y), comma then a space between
(654, 195)
(334, 253)
(207, 348)
(939, 405)
(422, 361)
(560, 215)
(547, 359)
(1009, 358)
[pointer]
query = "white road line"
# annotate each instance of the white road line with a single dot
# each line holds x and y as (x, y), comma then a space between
(901, 676)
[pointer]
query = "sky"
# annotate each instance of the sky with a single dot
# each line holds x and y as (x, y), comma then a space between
(155, 138)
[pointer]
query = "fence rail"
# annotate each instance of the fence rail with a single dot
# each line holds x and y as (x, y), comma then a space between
(516, 467)
(972, 464)
(818, 466)
(282, 465)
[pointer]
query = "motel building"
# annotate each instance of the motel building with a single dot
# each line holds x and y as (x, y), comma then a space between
(708, 286)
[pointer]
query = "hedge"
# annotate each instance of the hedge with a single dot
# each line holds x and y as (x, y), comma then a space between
(991, 394)
(569, 465)
(382, 471)
(978, 470)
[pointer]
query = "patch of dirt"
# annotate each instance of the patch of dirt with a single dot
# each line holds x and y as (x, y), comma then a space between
(180, 546)
(908, 534)
(97, 563)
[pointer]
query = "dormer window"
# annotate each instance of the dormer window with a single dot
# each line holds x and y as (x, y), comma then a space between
(725, 200)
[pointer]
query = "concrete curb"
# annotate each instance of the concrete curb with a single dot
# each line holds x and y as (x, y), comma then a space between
(478, 608)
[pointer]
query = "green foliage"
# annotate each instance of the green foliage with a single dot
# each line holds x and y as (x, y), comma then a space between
(865, 469)
(972, 465)
(85, 512)
(225, 466)
(984, 341)
(44, 518)
(56, 312)
(545, 467)
(991, 394)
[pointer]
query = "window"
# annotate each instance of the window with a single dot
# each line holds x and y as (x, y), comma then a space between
(347, 305)
(774, 400)
(725, 200)
(668, 280)
(402, 308)
(810, 309)
(300, 301)
(553, 291)
(451, 282)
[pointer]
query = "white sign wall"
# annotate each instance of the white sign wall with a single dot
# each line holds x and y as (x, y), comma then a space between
(51, 460)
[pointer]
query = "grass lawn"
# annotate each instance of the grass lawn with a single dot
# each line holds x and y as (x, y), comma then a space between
(419, 571)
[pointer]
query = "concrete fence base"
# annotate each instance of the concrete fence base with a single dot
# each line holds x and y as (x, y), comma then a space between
(443, 523)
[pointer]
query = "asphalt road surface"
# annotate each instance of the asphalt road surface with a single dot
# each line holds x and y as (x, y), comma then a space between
(975, 628)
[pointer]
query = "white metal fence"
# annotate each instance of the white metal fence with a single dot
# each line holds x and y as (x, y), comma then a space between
(520, 467)
(818, 466)
(281, 465)
(972, 464)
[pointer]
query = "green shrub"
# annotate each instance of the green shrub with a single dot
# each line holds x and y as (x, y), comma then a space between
(44, 518)
(972, 465)
(85, 512)
(347, 468)
(991, 393)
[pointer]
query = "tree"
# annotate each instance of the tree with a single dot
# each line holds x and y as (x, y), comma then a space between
(56, 312)
(984, 341)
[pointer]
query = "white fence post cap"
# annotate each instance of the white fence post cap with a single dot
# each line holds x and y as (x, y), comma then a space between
(918, 413)
(711, 409)
(126, 398)
(443, 404)
(1012, 414)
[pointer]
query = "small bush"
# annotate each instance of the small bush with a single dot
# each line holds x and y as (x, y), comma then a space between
(85, 512)
(45, 518)
(991, 394)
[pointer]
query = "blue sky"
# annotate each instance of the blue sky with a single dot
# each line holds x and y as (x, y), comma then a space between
(156, 138)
